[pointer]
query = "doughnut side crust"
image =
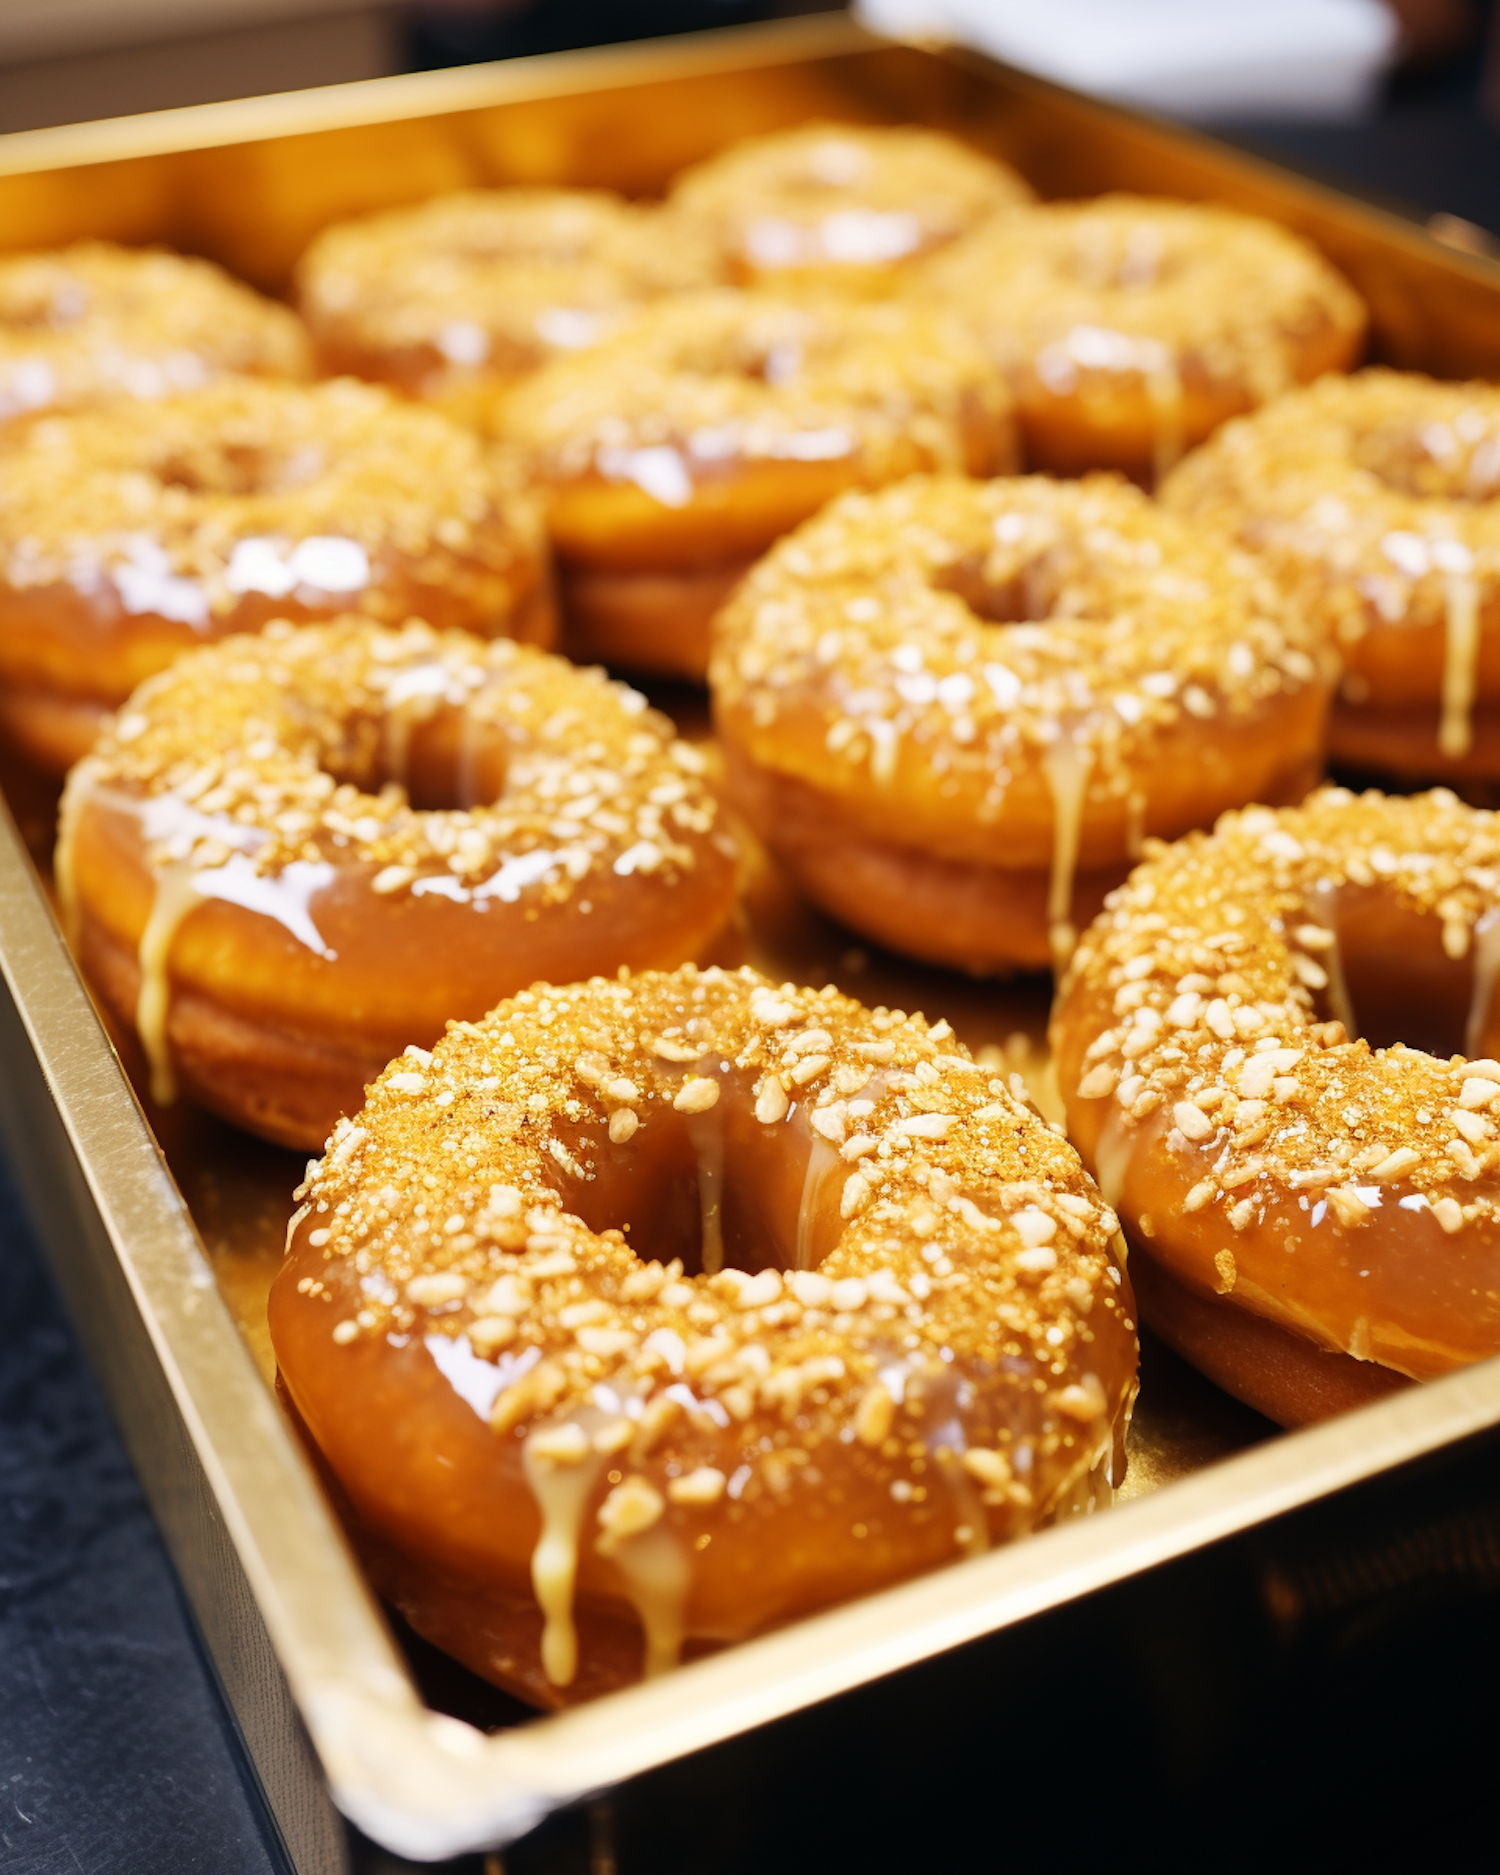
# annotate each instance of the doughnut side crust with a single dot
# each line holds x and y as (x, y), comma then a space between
(1259, 1156)
(265, 879)
(901, 1333)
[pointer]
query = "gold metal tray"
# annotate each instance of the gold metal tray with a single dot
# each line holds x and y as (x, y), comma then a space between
(165, 1229)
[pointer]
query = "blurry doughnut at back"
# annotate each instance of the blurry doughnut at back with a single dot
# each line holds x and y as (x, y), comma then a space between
(1130, 327)
(842, 205)
(453, 300)
(124, 542)
(99, 324)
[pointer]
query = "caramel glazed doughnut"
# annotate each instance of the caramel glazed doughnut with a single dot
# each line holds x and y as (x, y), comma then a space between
(676, 452)
(839, 205)
(96, 324)
(1311, 1217)
(296, 853)
(1376, 502)
(453, 300)
(689, 1305)
(123, 542)
(955, 710)
(1130, 328)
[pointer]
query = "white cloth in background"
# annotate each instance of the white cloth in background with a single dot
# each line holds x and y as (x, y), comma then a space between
(1191, 58)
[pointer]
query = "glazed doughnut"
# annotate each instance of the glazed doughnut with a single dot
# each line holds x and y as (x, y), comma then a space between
(453, 300)
(1313, 1217)
(122, 542)
(954, 710)
(98, 324)
(1130, 327)
(645, 1315)
(841, 205)
(1376, 501)
(676, 452)
(294, 854)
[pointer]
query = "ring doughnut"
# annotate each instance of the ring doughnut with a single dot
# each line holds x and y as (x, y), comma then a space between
(730, 1302)
(1131, 327)
(122, 542)
(1312, 1217)
(97, 324)
(841, 205)
(296, 853)
(1375, 500)
(954, 710)
(676, 452)
(455, 299)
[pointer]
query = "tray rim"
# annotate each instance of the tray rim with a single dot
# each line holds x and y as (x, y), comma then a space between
(423, 1784)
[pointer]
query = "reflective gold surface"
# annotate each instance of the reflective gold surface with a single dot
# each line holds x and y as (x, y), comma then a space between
(273, 1588)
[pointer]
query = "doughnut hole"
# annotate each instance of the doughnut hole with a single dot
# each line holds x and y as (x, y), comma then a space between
(717, 1189)
(445, 760)
(1389, 971)
(1020, 594)
(220, 465)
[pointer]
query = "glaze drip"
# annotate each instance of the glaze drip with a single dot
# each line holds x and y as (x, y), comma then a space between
(562, 1493)
(177, 895)
(1067, 771)
(658, 1575)
(1460, 665)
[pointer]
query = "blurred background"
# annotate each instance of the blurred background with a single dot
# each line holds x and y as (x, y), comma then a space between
(1396, 99)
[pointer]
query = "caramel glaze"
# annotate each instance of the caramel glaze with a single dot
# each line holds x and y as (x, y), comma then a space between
(652, 1312)
(1130, 328)
(1375, 502)
(676, 452)
(295, 853)
(1276, 1171)
(954, 710)
(122, 543)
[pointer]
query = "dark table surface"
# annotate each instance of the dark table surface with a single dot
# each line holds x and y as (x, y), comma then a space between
(116, 1753)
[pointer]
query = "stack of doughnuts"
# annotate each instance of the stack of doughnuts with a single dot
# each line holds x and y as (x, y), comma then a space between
(638, 1304)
